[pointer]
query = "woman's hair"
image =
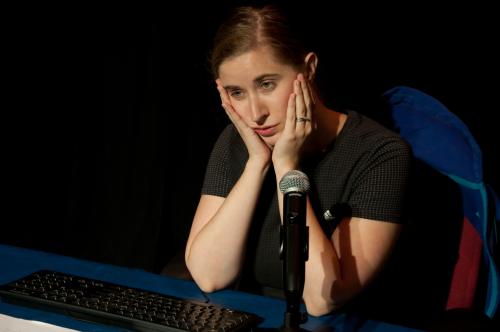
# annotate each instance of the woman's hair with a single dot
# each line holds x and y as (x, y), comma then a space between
(251, 27)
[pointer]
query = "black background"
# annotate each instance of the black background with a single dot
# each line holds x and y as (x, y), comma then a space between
(110, 112)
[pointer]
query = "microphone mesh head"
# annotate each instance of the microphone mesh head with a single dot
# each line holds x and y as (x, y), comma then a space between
(294, 181)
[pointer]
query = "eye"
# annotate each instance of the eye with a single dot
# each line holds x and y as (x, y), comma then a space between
(236, 93)
(267, 85)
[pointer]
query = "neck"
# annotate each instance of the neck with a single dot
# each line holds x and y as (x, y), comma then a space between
(329, 124)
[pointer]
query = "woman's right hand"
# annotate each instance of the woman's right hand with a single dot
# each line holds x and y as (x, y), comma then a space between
(258, 151)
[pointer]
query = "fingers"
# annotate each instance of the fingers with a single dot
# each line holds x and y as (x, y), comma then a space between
(235, 118)
(304, 105)
(290, 115)
(307, 96)
(228, 108)
(226, 103)
(224, 97)
(300, 108)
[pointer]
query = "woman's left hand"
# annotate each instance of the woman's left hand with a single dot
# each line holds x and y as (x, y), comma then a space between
(299, 125)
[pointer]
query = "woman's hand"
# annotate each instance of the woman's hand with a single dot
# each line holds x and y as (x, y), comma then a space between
(299, 125)
(258, 151)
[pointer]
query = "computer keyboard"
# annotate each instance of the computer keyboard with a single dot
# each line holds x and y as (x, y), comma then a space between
(128, 307)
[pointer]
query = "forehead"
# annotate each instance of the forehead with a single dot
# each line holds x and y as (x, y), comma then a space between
(251, 64)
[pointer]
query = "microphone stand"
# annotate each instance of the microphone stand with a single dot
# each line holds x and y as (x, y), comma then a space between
(294, 251)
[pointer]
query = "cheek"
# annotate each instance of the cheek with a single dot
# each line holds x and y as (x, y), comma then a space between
(281, 101)
(238, 107)
(241, 109)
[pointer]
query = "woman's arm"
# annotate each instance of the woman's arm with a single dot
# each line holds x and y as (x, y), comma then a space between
(340, 267)
(216, 243)
(217, 240)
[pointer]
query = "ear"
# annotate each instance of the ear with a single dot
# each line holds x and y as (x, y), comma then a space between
(311, 63)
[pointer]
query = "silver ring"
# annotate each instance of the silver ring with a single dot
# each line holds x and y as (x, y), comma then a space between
(301, 119)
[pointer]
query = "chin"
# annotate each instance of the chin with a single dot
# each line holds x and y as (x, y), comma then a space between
(270, 143)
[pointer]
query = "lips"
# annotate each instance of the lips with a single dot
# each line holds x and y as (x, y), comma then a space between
(266, 131)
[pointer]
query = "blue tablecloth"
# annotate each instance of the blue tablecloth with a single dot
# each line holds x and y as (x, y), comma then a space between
(17, 262)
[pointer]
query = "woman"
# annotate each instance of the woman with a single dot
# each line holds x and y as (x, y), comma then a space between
(265, 78)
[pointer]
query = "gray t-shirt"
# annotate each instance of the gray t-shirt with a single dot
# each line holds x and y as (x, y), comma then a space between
(363, 173)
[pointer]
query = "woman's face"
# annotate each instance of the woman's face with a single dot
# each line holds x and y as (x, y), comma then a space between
(259, 87)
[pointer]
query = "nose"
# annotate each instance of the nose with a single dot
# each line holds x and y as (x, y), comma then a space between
(258, 110)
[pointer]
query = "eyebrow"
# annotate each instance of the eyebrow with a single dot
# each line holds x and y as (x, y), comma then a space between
(256, 80)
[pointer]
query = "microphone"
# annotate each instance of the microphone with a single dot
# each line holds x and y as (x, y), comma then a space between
(294, 240)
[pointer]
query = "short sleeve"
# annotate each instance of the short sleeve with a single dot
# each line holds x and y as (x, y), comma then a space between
(225, 164)
(379, 190)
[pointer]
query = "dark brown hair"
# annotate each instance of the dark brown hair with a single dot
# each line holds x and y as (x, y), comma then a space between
(252, 27)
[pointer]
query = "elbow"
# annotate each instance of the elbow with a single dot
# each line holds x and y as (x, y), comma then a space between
(204, 282)
(321, 302)
(319, 308)
(206, 286)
